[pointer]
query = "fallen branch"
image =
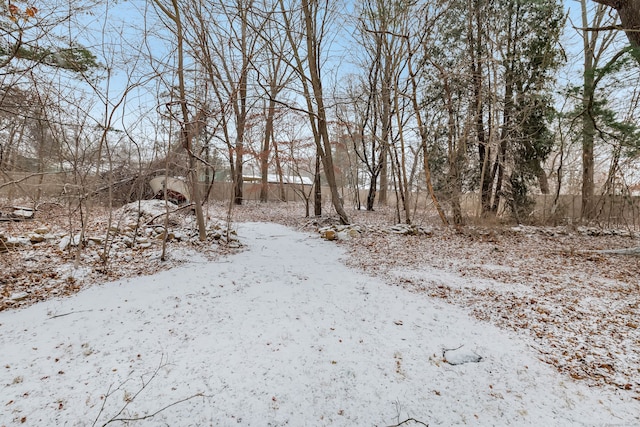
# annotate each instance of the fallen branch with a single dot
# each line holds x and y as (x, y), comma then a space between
(112, 185)
(67, 314)
(146, 417)
(167, 213)
(128, 401)
(124, 419)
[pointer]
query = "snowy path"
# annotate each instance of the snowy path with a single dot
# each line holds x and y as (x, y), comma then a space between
(279, 334)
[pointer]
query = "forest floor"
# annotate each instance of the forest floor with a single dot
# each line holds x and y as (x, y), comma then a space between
(576, 305)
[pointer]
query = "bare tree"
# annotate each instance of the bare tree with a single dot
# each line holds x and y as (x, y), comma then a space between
(33, 54)
(273, 77)
(380, 31)
(224, 45)
(383, 25)
(188, 121)
(594, 47)
(307, 63)
(422, 130)
(123, 57)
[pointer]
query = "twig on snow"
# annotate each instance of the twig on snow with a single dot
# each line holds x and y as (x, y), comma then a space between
(67, 314)
(131, 399)
(118, 418)
(409, 420)
(145, 417)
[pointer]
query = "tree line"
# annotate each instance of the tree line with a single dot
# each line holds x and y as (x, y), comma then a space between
(504, 99)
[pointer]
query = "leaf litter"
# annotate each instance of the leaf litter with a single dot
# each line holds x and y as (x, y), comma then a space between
(575, 307)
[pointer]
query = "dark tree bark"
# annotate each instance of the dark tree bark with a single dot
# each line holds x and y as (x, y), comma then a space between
(266, 149)
(629, 12)
(317, 190)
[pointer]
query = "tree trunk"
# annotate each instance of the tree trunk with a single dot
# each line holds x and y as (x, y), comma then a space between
(387, 112)
(266, 150)
(238, 179)
(186, 133)
(323, 143)
(384, 178)
(629, 12)
(371, 195)
(283, 195)
(508, 112)
(484, 150)
(317, 189)
(588, 125)
(240, 107)
(423, 136)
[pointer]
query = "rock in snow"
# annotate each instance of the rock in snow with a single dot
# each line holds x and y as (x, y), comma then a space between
(460, 356)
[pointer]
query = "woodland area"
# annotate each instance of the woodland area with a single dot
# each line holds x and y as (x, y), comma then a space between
(471, 110)
(454, 112)
(494, 144)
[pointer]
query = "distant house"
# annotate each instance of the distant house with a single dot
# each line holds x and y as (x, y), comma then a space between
(275, 179)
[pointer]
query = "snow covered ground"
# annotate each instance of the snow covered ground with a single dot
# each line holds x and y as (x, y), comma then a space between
(280, 334)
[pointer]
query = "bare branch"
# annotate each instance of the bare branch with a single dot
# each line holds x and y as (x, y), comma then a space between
(146, 417)
(608, 28)
(409, 420)
(18, 181)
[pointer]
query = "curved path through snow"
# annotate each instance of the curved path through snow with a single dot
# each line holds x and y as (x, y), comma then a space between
(282, 333)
